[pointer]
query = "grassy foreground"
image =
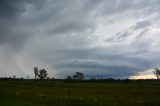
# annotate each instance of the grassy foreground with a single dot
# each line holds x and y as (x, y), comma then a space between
(30, 93)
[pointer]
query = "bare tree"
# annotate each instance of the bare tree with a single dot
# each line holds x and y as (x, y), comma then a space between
(157, 72)
(36, 72)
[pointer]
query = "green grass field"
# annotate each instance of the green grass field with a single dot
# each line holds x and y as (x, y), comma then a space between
(30, 93)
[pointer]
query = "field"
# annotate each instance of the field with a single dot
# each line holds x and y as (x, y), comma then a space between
(31, 93)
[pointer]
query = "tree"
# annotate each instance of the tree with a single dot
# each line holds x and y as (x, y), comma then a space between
(157, 72)
(36, 72)
(69, 78)
(42, 74)
(78, 76)
(27, 77)
(14, 76)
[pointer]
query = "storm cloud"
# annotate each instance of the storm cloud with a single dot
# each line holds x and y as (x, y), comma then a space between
(106, 38)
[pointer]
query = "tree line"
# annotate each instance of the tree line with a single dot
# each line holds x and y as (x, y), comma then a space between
(42, 74)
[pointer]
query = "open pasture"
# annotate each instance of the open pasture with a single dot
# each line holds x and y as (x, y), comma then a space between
(48, 93)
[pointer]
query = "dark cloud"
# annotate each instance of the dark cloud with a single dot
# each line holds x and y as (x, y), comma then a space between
(65, 36)
(10, 9)
(11, 23)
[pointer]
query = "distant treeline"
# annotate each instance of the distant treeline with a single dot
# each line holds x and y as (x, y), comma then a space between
(41, 75)
(112, 80)
(108, 80)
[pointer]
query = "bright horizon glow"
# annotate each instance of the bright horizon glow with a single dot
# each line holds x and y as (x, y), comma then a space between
(148, 74)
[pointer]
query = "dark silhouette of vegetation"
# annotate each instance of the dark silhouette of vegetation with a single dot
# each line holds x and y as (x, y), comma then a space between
(157, 72)
(27, 77)
(78, 76)
(36, 72)
(52, 78)
(69, 78)
(42, 73)
(14, 76)
(110, 80)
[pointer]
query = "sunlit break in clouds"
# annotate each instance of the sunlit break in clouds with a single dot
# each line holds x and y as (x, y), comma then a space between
(100, 38)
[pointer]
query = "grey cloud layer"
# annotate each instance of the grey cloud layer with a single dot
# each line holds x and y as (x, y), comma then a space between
(61, 36)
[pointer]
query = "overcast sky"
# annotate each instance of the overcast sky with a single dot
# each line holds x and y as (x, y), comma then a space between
(101, 38)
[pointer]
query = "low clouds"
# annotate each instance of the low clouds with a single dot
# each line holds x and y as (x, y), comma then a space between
(13, 30)
(105, 38)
